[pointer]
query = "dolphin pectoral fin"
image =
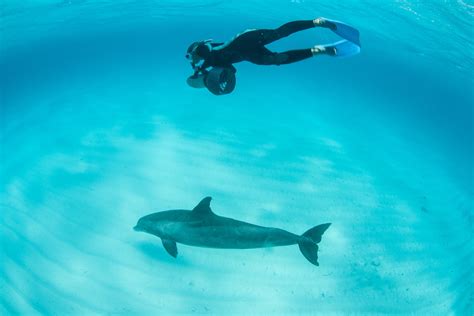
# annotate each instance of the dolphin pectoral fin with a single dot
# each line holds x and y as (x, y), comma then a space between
(170, 247)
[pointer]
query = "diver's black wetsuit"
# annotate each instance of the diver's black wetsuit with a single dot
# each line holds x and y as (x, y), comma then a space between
(250, 46)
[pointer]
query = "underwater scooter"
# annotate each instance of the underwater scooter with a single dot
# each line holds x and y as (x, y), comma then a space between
(218, 80)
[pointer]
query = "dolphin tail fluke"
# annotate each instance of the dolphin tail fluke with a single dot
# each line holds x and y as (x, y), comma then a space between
(309, 244)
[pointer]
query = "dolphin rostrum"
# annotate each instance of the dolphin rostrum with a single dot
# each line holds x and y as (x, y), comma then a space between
(202, 228)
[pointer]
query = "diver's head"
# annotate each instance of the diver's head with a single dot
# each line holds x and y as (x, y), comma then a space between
(198, 51)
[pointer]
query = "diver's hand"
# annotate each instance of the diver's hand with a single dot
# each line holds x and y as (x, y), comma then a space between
(201, 70)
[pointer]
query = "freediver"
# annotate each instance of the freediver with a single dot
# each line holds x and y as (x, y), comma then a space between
(250, 46)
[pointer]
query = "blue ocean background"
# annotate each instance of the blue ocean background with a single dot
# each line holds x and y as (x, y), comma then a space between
(99, 128)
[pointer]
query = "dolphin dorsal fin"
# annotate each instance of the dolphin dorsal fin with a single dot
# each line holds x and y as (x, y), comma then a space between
(204, 207)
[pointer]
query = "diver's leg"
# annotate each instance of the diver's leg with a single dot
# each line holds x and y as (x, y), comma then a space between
(269, 36)
(267, 57)
(266, 36)
(271, 58)
(248, 40)
(322, 22)
(324, 49)
(291, 56)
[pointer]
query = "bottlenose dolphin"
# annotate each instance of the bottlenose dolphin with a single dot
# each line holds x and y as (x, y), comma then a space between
(202, 228)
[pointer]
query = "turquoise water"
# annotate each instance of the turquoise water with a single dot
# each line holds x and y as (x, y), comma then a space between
(99, 128)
